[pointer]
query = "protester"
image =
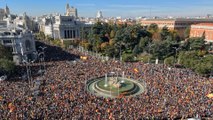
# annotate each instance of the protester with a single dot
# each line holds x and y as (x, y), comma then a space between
(170, 92)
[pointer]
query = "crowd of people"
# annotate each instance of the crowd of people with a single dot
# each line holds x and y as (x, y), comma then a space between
(171, 93)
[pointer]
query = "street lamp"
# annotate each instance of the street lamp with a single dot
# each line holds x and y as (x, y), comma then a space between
(120, 53)
(42, 59)
(176, 49)
(27, 63)
(150, 45)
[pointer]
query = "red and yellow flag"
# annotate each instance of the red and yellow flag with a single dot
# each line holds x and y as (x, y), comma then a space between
(210, 95)
(1, 98)
(11, 107)
(136, 70)
(83, 57)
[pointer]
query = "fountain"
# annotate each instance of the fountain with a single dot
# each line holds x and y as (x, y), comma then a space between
(114, 86)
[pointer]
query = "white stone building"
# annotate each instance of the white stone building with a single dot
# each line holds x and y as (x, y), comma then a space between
(16, 36)
(46, 26)
(99, 15)
(4, 12)
(21, 43)
(66, 28)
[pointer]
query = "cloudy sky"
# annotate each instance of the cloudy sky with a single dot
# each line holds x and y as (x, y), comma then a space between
(113, 8)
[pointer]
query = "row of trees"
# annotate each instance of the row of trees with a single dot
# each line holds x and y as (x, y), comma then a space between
(136, 42)
(6, 64)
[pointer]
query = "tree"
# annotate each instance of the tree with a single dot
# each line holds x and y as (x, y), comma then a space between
(156, 36)
(128, 57)
(136, 50)
(196, 43)
(41, 36)
(169, 61)
(112, 34)
(5, 53)
(187, 32)
(153, 28)
(6, 66)
(164, 33)
(111, 51)
(144, 43)
(104, 45)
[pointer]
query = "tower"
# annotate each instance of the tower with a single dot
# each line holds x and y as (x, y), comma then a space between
(99, 14)
(7, 10)
(67, 8)
(71, 11)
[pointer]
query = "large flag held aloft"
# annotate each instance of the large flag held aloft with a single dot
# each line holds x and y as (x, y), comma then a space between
(136, 70)
(83, 57)
(210, 95)
(1, 98)
(11, 107)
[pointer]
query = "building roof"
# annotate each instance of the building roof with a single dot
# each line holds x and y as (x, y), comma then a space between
(179, 19)
(203, 24)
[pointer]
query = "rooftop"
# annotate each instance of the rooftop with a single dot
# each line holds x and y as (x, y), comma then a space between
(179, 19)
(204, 24)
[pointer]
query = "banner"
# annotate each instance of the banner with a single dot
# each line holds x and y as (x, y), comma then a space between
(136, 70)
(83, 57)
(210, 95)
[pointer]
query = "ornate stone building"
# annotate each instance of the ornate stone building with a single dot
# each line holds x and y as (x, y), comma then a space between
(71, 11)
(66, 28)
(21, 43)
(16, 36)
(4, 12)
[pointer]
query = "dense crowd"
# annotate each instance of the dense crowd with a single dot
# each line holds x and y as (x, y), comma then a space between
(171, 93)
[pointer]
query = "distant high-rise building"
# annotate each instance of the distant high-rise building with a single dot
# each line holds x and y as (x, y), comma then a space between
(71, 11)
(99, 14)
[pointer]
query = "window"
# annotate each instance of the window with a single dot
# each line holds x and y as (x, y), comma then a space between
(28, 45)
(65, 34)
(73, 33)
(7, 41)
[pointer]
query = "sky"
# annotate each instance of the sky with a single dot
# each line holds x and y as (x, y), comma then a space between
(113, 8)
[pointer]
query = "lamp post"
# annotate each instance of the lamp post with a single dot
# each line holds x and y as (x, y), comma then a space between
(176, 49)
(120, 53)
(150, 45)
(26, 62)
(43, 55)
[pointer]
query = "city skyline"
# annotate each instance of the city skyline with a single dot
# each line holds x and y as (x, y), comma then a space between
(123, 8)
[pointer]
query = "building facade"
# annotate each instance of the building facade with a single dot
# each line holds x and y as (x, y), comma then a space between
(16, 35)
(202, 30)
(179, 24)
(4, 12)
(22, 44)
(66, 28)
(99, 15)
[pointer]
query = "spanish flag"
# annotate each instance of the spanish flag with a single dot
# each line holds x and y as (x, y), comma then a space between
(83, 57)
(210, 95)
(11, 107)
(136, 70)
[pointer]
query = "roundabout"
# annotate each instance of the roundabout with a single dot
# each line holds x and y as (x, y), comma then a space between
(114, 87)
